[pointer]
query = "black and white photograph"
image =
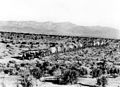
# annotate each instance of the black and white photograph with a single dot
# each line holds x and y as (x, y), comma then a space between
(59, 43)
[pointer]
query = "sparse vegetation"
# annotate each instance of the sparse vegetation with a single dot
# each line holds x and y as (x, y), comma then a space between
(66, 59)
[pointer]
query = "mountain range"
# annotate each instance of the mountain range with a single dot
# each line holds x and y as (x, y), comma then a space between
(61, 28)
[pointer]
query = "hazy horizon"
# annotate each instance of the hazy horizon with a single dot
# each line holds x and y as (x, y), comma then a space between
(80, 12)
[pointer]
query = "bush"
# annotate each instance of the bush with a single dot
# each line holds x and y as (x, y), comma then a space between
(69, 76)
(102, 81)
(25, 82)
(36, 72)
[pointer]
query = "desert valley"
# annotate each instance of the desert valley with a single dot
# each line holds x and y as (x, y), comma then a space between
(58, 60)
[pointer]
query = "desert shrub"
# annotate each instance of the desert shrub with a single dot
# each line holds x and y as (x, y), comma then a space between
(53, 69)
(96, 72)
(6, 71)
(36, 72)
(82, 71)
(69, 77)
(102, 81)
(25, 81)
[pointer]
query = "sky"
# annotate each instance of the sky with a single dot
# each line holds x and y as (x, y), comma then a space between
(80, 12)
